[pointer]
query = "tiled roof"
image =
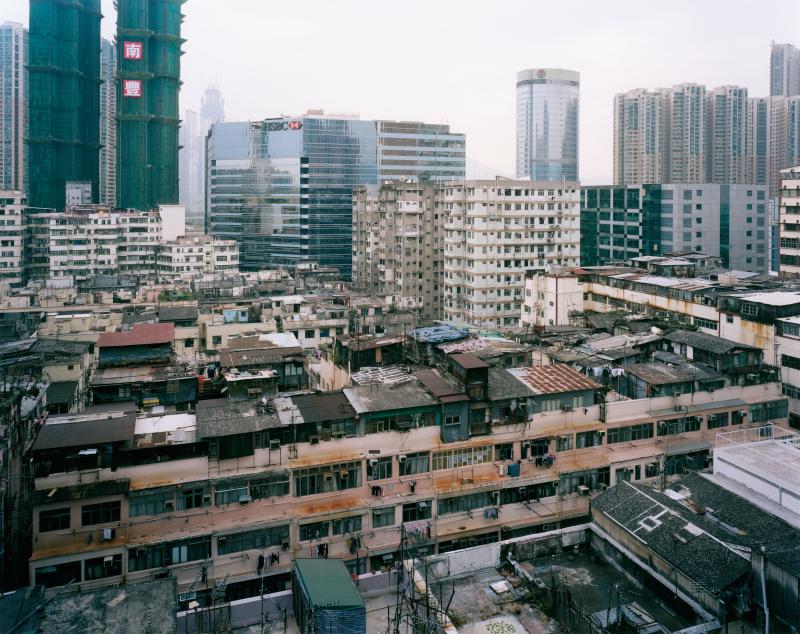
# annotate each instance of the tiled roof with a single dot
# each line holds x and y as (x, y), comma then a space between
(139, 335)
(554, 379)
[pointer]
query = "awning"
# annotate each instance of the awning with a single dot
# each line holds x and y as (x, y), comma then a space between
(687, 446)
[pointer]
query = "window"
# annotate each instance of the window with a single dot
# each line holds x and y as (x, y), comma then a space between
(102, 513)
(308, 334)
(630, 433)
(414, 511)
(216, 340)
(102, 567)
(317, 530)
(592, 478)
(705, 323)
(413, 463)
(150, 502)
(252, 540)
(550, 405)
(346, 525)
(452, 420)
(54, 520)
(169, 553)
(564, 443)
(454, 458)
(584, 439)
(678, 425)
(327, 478)
(193, 498)
(380, 470)
(504, 451)
(383, 516)
(469, 502)
(714, 421)
(766, 412)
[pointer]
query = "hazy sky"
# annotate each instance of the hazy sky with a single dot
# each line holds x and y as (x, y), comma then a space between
(456, 61)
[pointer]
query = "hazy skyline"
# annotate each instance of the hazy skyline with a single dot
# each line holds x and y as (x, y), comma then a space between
(456, 62)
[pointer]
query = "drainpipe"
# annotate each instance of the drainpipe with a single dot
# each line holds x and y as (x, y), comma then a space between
(764, 591)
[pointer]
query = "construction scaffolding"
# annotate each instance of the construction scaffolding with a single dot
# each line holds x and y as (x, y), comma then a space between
(64, 76)
(148, 61)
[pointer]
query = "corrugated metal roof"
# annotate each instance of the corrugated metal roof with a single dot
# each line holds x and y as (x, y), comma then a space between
(553, 379)
(469, 361)
(139, 335)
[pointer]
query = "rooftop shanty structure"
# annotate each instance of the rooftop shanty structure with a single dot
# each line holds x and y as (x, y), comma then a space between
(325, 598)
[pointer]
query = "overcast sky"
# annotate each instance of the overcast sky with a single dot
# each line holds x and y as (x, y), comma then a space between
(456, 61)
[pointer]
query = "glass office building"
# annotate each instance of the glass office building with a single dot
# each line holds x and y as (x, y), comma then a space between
(283, 187)
(547, 124)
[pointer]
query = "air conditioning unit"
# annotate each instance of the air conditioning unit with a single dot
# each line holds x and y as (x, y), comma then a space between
(402, 458)
(344, 474)
(275, 444)
(108, 561)
(314, 440)
(207, 500)
(141, 551)
(328, 475)
(169, 505)
(373, 462)
(244, 499)
(337, 435)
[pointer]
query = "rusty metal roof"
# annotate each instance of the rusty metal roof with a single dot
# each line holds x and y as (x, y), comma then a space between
(139, 335)
(553, 379)
(468, 361)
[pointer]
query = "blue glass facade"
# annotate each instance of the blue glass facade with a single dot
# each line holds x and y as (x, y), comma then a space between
(547, 124)
(283, 187)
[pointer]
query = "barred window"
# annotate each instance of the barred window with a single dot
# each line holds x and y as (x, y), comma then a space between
(327, 478)
(346, 525)
(630, 433)
(168, 553)
(102, 513)
(469, 502)
(414, 463)
(54, 520)
(316, 530)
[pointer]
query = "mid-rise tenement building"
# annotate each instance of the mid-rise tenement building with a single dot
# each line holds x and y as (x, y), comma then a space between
(283, 187)
(729, 221)
(196, 255)
(238, 489)
(789, 222)
(495, 231)
(12, 215)
(397, 245)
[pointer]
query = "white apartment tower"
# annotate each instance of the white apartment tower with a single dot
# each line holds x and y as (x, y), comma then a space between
(397, 245)
(784, 70)
(789, 218)
(13, 106)
(640, 136)
(108, 124)
(495, 232)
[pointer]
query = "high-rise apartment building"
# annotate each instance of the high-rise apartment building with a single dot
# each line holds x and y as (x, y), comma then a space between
(688, 134)
(148, 62)
(789, 219)
(64, 78)
(13, 106)
(494, 232)
(640, 136)
(727, 128)
(784, 70)
(547, 124)
(108, 123)
(729, 221)
(397, 245)
(283, 187)
(686, 145)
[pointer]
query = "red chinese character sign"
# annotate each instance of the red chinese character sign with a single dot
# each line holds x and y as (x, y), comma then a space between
(132, 50)
(131, 88)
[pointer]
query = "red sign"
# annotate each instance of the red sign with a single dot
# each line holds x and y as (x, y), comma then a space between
(541, 74)
(295, 125)
(131, 88)
(132, 50)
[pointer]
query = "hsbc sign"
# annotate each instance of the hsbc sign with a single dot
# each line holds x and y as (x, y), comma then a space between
(277, 126)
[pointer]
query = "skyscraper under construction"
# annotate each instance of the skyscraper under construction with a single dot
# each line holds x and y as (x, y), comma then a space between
(64, 76)
(148, 82)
